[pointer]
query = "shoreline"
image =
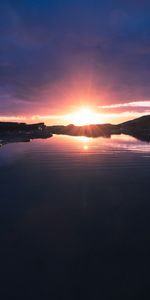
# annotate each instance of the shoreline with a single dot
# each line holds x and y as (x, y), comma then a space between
(11, 132)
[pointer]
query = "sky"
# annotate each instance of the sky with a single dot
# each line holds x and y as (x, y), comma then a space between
(59, 55)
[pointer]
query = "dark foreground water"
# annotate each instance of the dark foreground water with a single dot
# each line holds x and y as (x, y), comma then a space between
(75, 219)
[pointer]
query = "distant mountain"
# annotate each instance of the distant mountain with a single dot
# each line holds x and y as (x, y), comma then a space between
(142, 123)
(91, 130)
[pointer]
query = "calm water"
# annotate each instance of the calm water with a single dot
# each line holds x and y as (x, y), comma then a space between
(75, 219)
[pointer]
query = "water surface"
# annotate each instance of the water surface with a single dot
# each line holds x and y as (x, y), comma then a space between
(75, 218)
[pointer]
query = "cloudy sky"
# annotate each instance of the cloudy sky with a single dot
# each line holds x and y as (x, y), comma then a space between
(58, 55)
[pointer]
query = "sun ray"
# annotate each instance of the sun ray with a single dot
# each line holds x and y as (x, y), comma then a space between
(85, 116)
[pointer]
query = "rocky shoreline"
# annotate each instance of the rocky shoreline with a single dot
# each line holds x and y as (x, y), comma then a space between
(22, 132)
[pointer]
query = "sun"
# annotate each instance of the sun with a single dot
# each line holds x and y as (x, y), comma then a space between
(85, 116)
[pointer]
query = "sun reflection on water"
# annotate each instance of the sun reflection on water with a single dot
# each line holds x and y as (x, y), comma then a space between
(85, 140)
(85, 147)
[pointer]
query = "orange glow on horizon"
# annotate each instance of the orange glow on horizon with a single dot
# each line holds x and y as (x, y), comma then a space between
(82, 116)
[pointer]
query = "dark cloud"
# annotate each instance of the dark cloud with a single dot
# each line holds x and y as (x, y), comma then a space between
(49, 49)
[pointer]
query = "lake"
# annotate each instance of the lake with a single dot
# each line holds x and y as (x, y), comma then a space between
(75, 218)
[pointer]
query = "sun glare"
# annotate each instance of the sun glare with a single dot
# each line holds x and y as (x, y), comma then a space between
(85, 116)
